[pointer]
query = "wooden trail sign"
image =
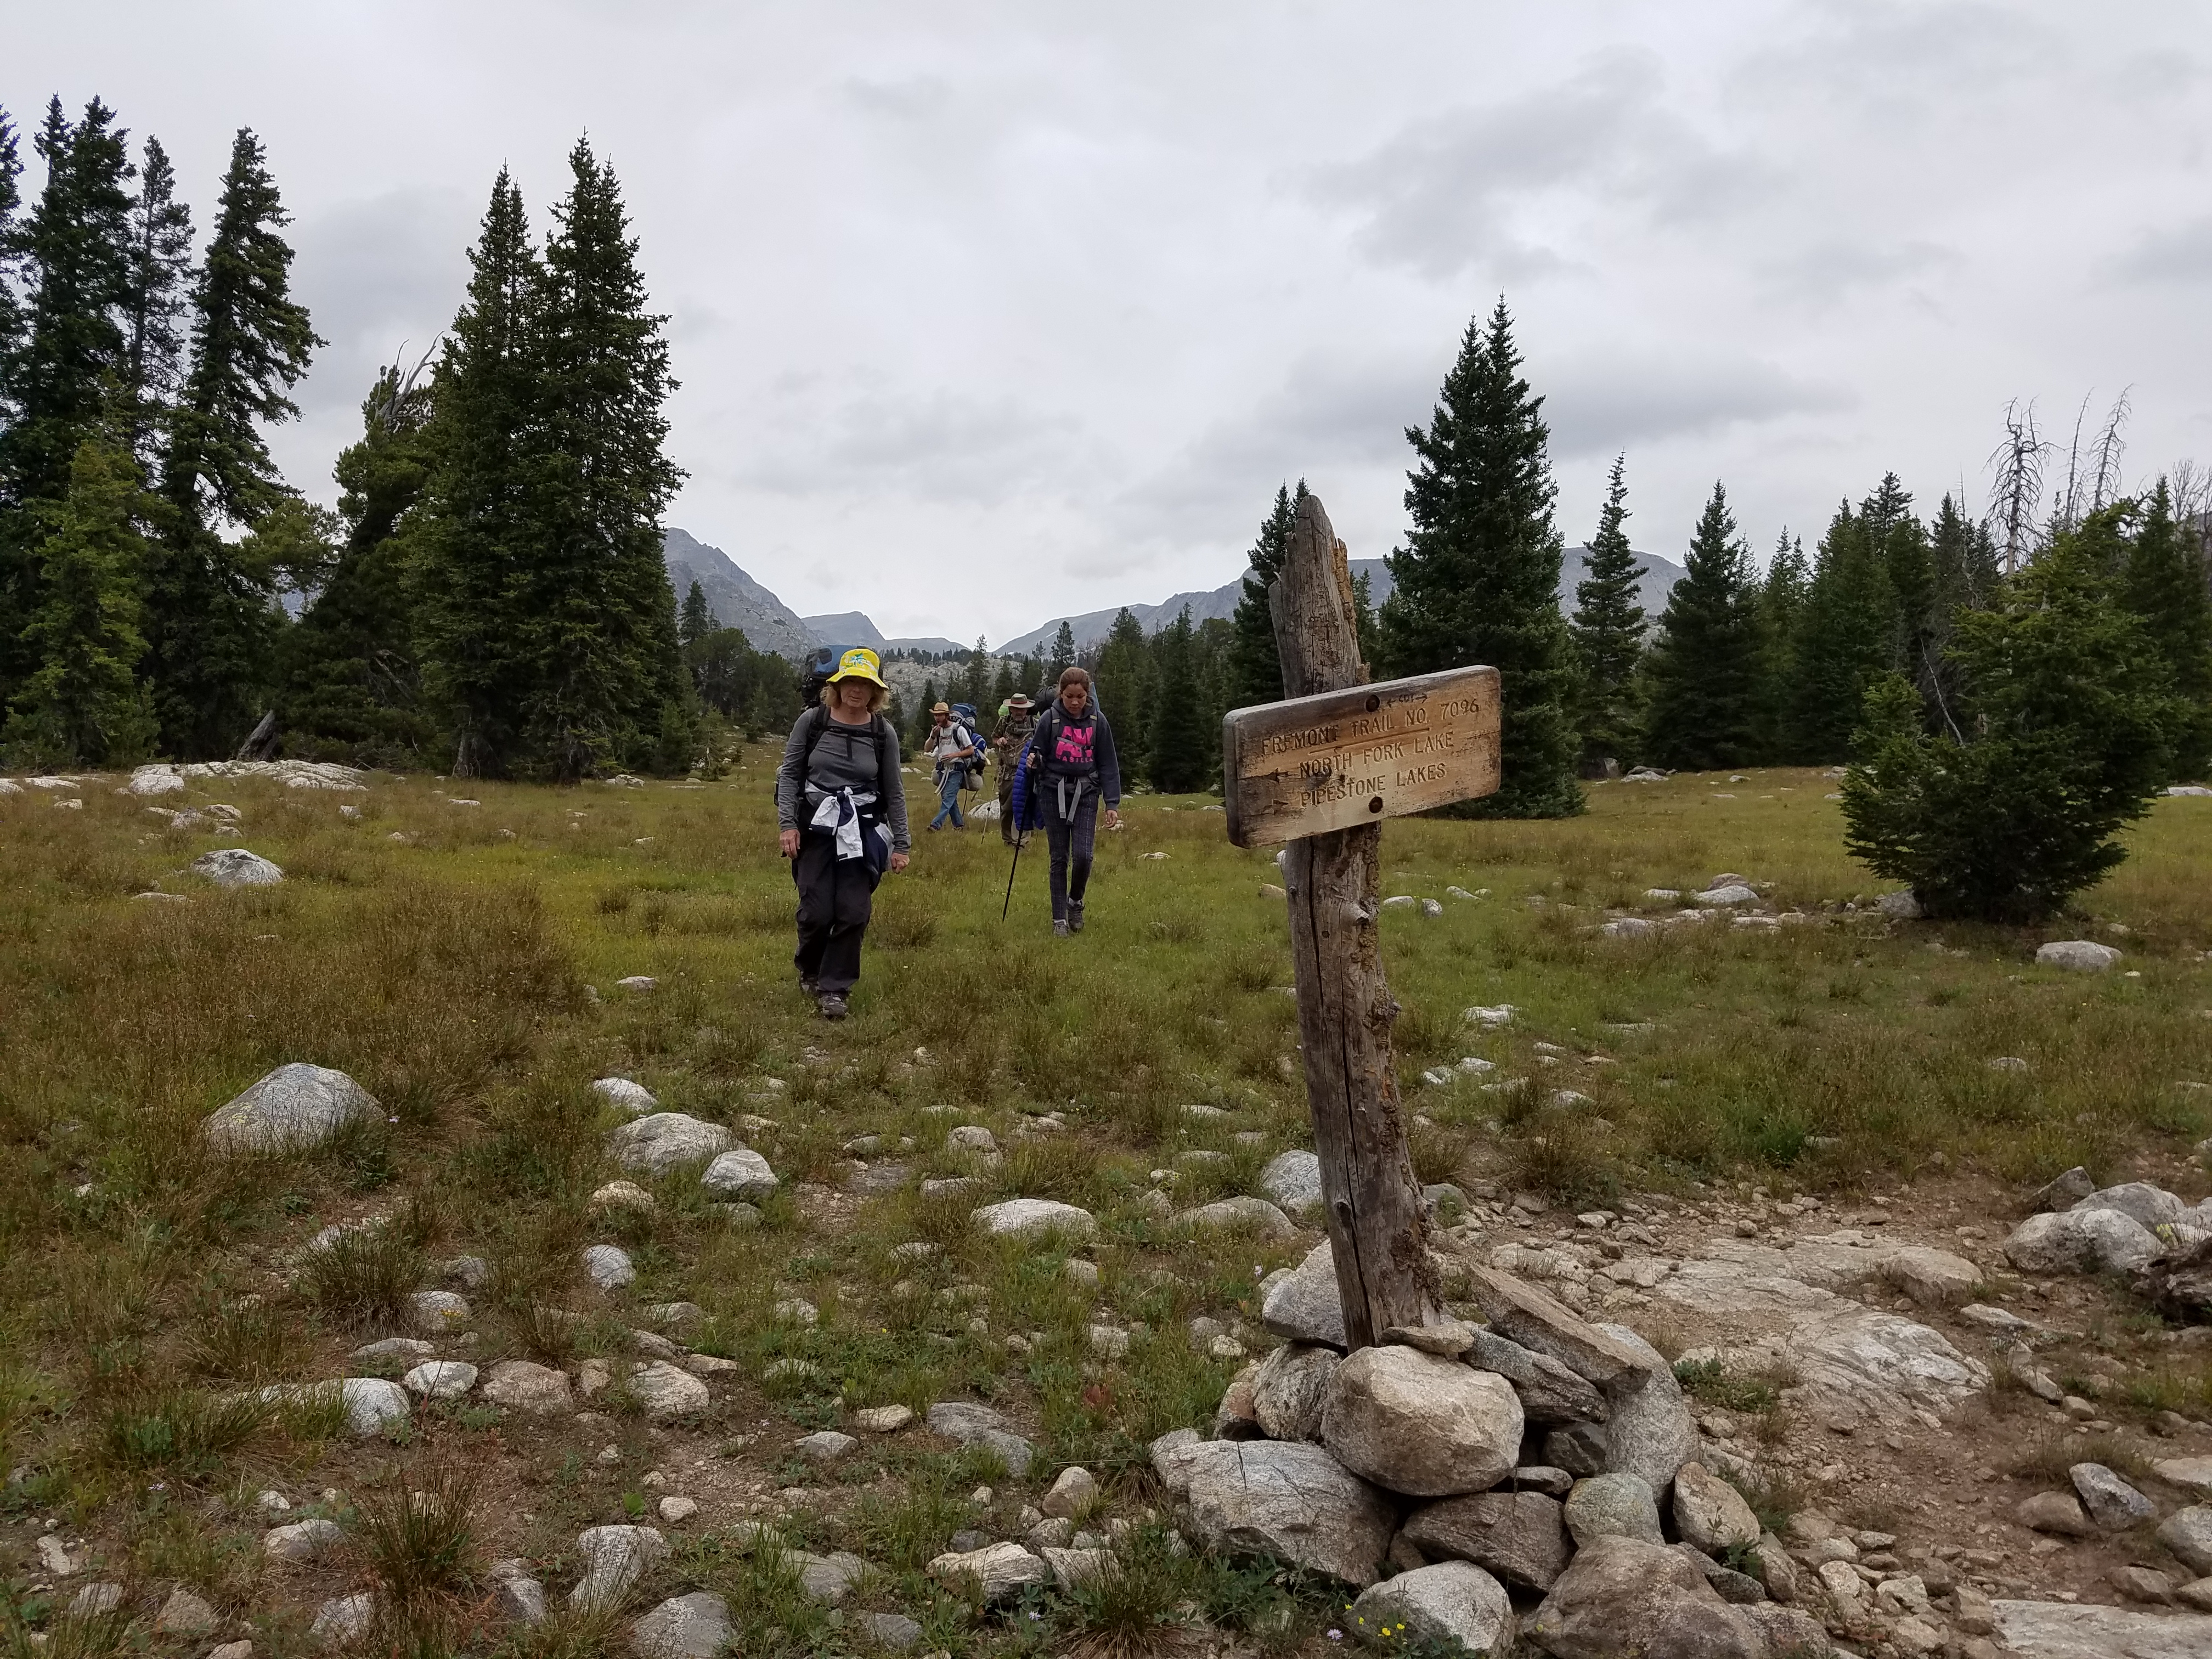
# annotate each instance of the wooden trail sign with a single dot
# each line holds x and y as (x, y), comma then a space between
(1310, 764)
(1331, 870)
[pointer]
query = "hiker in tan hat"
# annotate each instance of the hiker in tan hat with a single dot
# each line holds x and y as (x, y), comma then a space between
(1014, 727)
(950, 745)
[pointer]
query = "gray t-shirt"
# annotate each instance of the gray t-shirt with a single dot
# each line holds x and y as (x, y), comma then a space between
(845, 757)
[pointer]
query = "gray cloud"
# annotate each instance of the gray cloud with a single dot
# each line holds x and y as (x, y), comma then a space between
(1601, 403)
(2173, 253)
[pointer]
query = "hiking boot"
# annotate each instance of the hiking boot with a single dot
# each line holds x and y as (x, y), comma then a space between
(1075, 917)
(1061, 930)
(807, 987)
(830, 1006)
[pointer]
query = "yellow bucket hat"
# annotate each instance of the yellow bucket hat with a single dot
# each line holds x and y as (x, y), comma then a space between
(860, 663)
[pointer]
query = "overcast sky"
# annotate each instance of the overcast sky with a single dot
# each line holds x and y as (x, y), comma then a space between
(990, 312)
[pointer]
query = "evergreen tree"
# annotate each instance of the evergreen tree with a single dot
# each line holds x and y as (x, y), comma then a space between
(1126, 675)
(1174, 746)
(352, 679)
(597, 625)
(1477, 579)
(215, 620)
(697, 620)
(918, 732)
(2163, 584)
(1002, 686)
(1608, 629)
(11, 307)
(2064, 736)
(1703, 671)
(1781, 599)
(1963, 575)
(160, 246)
(1846, 639)
(1212, 643)
(1063, 653)
(1256, 672)
(83, 706)
(73, 252)
(466, 574)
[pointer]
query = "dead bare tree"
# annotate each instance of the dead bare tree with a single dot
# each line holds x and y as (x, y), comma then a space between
(2016, 491)
(2105, 482)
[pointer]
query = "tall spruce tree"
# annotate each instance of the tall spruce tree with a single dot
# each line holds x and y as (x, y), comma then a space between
(155, 301)
(597, 625)
(1704, 669)
(2163, 584)
(1063, 654)
(1781, 598)
(1126, 674)
(84, 706)
(696, 620)
(1256, 671)
(214, 613)
(1608, 630)
(1175, 745)
(352, 679)
(74, 256)
(11, 305)
(1477, 579)
(1847, 638)
(466, 572)
(1963, 575)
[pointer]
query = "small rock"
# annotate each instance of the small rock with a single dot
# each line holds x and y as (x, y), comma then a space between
(185, 1614)
(294, 1108)
(662, 1142)
(1292, 1179)
(1449, 1338)
(2188, 1534)
(345, 1619)
(440, 1379)
(437, 1313)
(1451, 1602)
(894, 1630)
(667, 1393)
(694, 1626)
(234, 867)
(1033, 1219)
(624, 1195)
(609, 1265)
(1074, 1491)
(1001, 1571)
(2113, 1504)
(2055, 1511)
(2082, 954)
(302, 1541)
(522, 1385)
(637, 984)
(882, 1420)
(614, 1558)
(633, 1098)
(394, 1348)
(1520, 1536)
(1617, 1585)
(824, 1445)
(1613, 1506)
(2065, 1191)
(677, 1509)
(972, 1425)
(1710, 1515)
(2143, 1585)
(741, 1173)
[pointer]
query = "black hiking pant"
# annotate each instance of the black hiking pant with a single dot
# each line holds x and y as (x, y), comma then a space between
(835, 902)
(1071, 841)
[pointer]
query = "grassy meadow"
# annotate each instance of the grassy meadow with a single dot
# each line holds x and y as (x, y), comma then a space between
(461, 960)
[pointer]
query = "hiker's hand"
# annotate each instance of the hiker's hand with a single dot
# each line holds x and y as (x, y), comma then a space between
(898, 862)
(789, 842)
(1113, 818)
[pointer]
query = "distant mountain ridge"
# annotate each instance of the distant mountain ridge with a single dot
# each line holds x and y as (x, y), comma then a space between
(738, 601)
(1658, 579)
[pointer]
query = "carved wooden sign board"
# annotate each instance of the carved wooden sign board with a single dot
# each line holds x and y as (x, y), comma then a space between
(1312, 764)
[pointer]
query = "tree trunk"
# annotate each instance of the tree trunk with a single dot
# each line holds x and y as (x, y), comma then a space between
(1376, 1226)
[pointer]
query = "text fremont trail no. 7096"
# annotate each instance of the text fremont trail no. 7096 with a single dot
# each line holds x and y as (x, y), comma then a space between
(1314, 764)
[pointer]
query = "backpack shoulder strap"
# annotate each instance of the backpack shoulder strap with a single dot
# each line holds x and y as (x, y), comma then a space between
(819, 715)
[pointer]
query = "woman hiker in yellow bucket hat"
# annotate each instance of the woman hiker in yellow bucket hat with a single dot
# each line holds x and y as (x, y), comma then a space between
(841, 815)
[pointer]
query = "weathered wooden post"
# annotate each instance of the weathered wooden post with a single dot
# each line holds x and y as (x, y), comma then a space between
(1322, 769)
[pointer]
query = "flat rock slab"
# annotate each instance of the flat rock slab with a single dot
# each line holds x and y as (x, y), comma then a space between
(2056, 1630)
(1522, 1314)
(614, 1558)
(666, 1392)
(972, 1425)
(1001, 1571)
(1034, 1218)
(522, 1385)
(666, 1141)
(1243, 1212)
(295, 1107)
(1293, 1502)
(1851, 1360)
(694, 1626)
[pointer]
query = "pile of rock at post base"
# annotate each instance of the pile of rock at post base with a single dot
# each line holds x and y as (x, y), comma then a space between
(1535, 1480)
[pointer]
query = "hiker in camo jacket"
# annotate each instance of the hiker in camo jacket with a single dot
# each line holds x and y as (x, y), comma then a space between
(1006, 740)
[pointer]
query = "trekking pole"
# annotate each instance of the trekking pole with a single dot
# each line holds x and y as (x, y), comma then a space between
(1011, 868)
